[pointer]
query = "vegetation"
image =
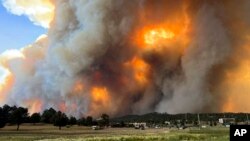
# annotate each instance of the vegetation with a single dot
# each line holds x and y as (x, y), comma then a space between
(2, 118)
(104, 120)
(189, 118)
(35, 118)
(18, 116)
(48, 115)
(89, 121)
(60, 119)
(5, 112)
(81, 121)
(72, 121)
(157, 123)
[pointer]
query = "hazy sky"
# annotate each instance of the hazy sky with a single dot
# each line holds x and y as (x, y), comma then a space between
(16, 31)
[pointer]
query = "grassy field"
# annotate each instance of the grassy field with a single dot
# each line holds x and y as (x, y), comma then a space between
(76, 133)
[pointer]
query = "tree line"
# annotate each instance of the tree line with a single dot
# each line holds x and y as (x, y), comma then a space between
(161, 118)
(14, 115)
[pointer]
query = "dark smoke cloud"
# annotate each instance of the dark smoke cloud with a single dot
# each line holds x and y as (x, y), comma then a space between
(91, 44)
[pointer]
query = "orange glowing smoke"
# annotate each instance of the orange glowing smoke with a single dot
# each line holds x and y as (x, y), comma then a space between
(100, 100)
(236, 82)
(7, 80)
(5, 86)
(237, 88)
(155, 36)
(34, 105)
(162, 34)
(62, 106)
(140, 70)
(100, 95)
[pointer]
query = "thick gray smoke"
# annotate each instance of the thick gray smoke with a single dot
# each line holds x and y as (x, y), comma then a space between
(209, 47)
(94, 60)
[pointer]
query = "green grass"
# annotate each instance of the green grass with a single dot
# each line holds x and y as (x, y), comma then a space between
(75, 133)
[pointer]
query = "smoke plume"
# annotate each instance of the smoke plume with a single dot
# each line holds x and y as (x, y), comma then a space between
(131, 57)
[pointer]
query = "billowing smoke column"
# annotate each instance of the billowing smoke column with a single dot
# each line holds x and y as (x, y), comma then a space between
(121, 57)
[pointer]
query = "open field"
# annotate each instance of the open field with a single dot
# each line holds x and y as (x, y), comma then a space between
(76, 133)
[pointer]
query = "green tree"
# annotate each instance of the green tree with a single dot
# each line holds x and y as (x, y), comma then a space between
(122, 124)
(81, 121)
(35, 118)
(60, 120)
(72, 120)
(48, 115)
(89, 121)
(2, 118)
(7, 110)
(18, 116)
(104, 120)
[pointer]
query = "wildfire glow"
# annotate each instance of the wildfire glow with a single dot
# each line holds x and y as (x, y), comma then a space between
(237, 85)
(5, 85)
(62, 106)
(7, 78)
(140, 69)
(158, 57)
(100, 95)
(34, 105)
(157, 35)
(100, 99)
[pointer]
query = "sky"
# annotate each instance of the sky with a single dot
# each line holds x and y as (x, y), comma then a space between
(16, 31)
